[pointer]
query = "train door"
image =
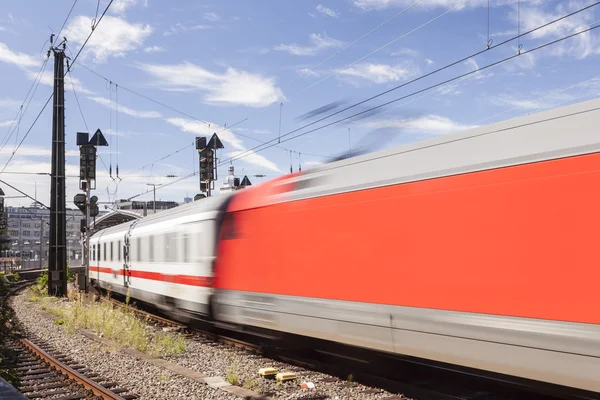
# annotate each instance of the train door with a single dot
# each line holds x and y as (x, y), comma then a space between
(127, 256)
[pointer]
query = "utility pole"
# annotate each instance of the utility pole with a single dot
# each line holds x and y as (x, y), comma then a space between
(57, 251)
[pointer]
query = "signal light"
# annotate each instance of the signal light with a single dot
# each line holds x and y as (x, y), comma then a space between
(79, 201)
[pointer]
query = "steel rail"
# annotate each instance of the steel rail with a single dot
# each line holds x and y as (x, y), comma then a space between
(71, 373)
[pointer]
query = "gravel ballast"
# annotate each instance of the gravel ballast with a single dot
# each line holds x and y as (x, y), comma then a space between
(213, 360)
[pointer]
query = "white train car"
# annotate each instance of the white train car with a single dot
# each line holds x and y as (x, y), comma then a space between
(164, 259)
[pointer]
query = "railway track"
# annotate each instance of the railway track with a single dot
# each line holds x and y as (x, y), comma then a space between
(414, 378)
(42, 372)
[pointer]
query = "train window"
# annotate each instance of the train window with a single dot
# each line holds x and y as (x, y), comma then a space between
(138, 256)
(151, 248)
(171, 246)
(111, 251)
(99, 252)
(186, 257)
(104, 251)
(94, 252)
(119, 250)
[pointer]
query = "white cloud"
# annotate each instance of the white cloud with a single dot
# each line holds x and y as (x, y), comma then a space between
(580, 47)
(236, 87)
(227, 136)
(125, 110)
(113, 37)
(428, 124)
(307, 72)
(327, 11)
(472, 64)
(211, 16)
(154, 49)
(318, 42)
(6, 123)
(428, 61)
(2, 28)
(120, 6)
(180, 28)
(21, 60)
(430, 4)
(261, 131)
(406, 52)
(381, 73)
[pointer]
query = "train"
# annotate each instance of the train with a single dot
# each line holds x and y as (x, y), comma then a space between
(476, 249)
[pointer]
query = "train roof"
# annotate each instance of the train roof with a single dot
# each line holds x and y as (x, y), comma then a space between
(560, 132)
(216, 203)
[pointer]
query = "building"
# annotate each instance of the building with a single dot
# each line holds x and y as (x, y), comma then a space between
(231, 183)
(145, 206)
(29, 236)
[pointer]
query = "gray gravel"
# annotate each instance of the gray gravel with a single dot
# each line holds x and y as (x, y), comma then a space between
(152, 382)
(219, 359)
(145, 380)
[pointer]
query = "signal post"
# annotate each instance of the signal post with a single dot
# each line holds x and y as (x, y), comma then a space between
(88, 205)
(207, 153)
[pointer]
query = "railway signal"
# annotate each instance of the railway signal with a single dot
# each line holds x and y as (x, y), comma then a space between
(207, 153)
(87, 181)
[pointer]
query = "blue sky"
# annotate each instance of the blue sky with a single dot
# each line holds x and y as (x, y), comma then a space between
(222, 62)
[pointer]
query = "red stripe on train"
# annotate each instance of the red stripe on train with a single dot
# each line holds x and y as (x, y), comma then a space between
(189, 280)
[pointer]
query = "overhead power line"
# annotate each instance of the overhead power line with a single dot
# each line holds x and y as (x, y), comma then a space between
(312, 68)
(49, 98)
(25, 194)
(403, 97)
(431, 87)
(463, 59)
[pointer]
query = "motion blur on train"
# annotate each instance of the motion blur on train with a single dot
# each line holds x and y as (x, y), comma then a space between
(478, 249)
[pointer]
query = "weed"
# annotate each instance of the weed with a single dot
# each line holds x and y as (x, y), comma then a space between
(116, 324)
(232, 376)
(167, 344)
(250, 384)
(350, 378)
(59, 322)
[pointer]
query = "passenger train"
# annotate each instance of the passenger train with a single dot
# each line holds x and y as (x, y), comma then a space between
(478, 249)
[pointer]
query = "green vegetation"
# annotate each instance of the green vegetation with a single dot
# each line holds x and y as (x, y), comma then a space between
(70, 275)
(232, 376)
(118, 324)
(250, 384)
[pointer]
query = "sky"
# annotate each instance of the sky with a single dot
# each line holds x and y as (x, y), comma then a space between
(156, 74)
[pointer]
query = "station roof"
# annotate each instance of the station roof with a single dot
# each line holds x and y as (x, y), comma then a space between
(114, 218)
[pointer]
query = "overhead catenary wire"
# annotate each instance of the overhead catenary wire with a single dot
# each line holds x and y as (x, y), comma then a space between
(315, 66)
(66, 19)
(403, 97)
(83, 116)
(360, 38)
(438, 84)
(51, 95)
(461, 60)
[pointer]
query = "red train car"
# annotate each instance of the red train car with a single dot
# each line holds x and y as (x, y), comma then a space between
(477, 249)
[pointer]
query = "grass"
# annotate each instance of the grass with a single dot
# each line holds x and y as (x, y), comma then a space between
(232, 376)
(250, 384)
(117, 324)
